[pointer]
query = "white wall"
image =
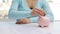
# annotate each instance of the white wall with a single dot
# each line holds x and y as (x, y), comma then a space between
(4, 7)
(55, 6)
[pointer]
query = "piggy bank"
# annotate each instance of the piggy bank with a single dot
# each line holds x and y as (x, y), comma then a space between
(43, 21)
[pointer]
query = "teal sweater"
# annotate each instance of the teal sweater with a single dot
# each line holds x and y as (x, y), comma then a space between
(20, 10)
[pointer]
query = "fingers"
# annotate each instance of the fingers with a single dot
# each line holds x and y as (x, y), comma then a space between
(34, 13)
(23, 21)
(38, 11)
(41, 12)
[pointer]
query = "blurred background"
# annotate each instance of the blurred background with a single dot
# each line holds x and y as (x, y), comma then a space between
(54, 5)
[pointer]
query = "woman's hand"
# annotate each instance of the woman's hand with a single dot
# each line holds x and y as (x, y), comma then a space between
(23, 21)
(36, 11)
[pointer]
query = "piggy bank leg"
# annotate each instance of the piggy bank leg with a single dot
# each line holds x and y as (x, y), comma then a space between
(43, 26)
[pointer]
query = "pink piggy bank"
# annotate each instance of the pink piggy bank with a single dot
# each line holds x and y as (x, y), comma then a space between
(43, 21)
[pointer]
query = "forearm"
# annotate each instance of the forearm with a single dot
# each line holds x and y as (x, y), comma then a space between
(51, 17)
(19, 14)
(48, 11)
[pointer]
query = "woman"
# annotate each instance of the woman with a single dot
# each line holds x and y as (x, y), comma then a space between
(31, 8)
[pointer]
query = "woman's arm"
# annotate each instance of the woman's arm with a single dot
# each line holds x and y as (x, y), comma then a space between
(47, 9)
(15, 14)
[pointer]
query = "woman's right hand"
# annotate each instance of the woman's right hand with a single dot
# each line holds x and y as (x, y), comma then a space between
(36, 11)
